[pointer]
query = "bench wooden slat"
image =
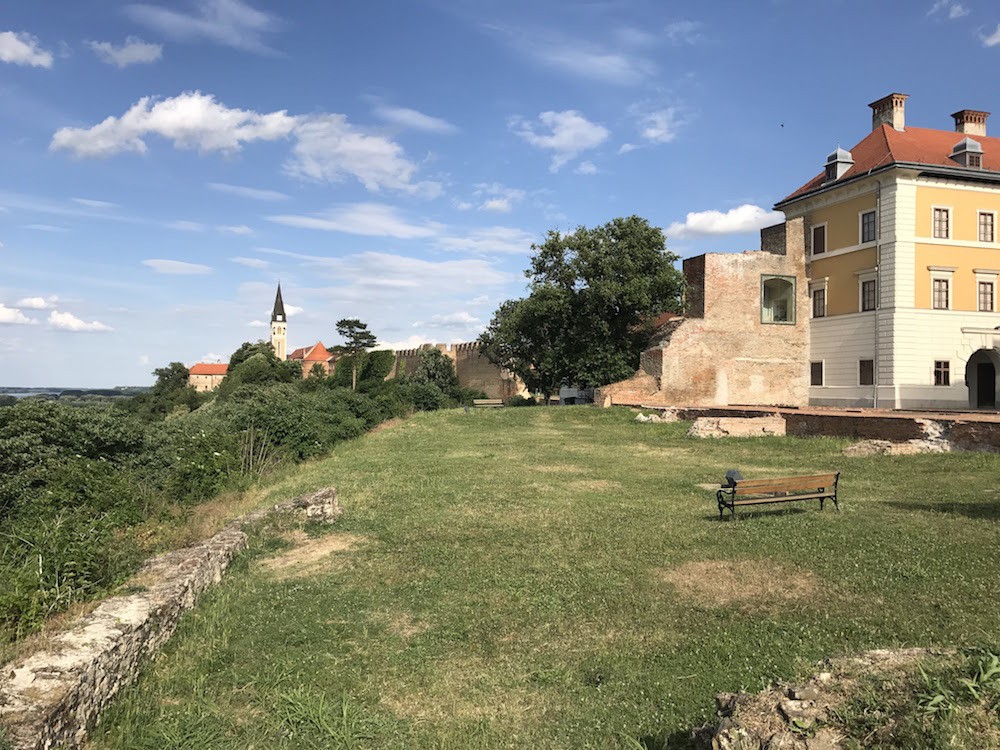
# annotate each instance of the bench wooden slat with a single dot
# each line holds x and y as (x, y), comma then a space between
(805, 482)
(487, 402)
(811, 487)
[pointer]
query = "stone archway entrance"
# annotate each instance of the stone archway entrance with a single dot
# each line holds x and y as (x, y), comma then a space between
(981, 378)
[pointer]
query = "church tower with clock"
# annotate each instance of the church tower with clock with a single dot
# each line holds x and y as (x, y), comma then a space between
(279, 327)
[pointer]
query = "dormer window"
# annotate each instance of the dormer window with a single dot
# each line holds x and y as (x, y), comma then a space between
(837, 164)
(968, 153)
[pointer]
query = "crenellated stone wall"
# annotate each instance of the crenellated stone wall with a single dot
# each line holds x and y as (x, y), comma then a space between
(472, 368)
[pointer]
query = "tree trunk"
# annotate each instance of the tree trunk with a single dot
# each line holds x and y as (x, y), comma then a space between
(354, 376)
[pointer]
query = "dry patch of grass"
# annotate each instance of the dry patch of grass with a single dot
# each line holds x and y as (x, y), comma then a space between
(310, 555)
(750, 583)
(389, 424)
(402, 624)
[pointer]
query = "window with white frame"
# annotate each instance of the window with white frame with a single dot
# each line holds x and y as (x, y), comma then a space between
(819, 239)
(942, 223)
(867, 291)
(866, 372)
(985, 295)
(940, 295)
(819, 302)
(867, 227)
(941, 287)
(942, 372)
(815, 373)
(987, 228)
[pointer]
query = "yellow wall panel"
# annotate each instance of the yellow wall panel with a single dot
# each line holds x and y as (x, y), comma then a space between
(965, 207)
(842, 286)
(843, 228)
(963, 281)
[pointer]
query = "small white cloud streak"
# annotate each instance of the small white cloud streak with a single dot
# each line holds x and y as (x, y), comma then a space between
(248, 192)
(414, 120)
(569, 134)
(65, 321)
(133, 52)
(177, 267)
(13, 316)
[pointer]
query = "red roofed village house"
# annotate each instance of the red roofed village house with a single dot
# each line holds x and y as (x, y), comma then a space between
(206, 377)
(880, 289)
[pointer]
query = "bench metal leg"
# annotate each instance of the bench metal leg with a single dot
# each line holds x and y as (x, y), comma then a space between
(836, 505)
(821, 503)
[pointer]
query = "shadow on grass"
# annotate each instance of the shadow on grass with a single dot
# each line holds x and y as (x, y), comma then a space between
(748, 515)
(679, 740)
(981, 511)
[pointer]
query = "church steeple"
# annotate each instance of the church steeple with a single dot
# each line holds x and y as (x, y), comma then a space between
(278, 314)
(279, 327)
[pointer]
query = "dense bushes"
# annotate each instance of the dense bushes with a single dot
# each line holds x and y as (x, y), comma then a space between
(75, 482)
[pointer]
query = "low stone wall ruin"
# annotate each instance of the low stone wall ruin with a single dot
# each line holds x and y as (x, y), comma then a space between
(51, 698)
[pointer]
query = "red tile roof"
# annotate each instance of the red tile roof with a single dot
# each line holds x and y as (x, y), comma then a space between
(204, 368)
(315, 353)
(885, 146)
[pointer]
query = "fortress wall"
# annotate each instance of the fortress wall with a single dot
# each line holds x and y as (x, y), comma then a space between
(472, 368)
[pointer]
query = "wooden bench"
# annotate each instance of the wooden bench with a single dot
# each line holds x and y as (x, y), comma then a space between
(487, 403)
(820, 487)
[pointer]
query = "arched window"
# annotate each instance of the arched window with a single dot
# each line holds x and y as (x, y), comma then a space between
(777, 299)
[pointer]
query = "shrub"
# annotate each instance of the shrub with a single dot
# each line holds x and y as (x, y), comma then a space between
(425, 396)
(520, 400)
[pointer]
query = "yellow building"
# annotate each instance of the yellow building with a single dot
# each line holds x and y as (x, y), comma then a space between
(902, 260)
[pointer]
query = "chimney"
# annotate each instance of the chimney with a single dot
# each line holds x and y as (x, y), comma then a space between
(970, 122)
(889, 110)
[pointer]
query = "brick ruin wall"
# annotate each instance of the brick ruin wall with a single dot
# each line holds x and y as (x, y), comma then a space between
(472, 368)
(721, 353)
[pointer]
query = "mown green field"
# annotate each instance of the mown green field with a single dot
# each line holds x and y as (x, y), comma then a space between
(558, 578)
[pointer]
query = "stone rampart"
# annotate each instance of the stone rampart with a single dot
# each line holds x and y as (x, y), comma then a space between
(53, 697)
(472, 368)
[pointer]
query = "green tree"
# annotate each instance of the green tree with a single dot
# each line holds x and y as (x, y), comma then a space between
(169, 393)
(437, 369)
(378, 365)
(593, 295)
(248, 349)
(357, 341)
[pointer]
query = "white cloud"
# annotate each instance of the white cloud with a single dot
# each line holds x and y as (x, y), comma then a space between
(462, 319)
(411, 342)
(13, 316)
(586, 167)
(183, 225)
(257, 324)
(684, 32)
(570, 134)
(38, 303)
(490, 240)
(21, 48)
(993, 39)
(586, 60)
(45, 228)
(65, 321)
(177, 267)
(248, 192)
(251, 262)
(745, 218)
(91, 203)
(627, 147)
(657, 125)
(292, 310)
(496, 197)
(954, 9)
(143, 359)
(191, 120)
(411, 118)
(328, 148)
(231, 23)
(213, 357)
(368, 219)
(133, 52)
(242, 230)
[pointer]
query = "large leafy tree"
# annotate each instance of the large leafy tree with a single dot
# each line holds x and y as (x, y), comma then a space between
(357, 341)
(593, 295)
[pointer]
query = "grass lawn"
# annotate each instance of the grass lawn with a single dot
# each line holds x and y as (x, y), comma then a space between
(558, 578)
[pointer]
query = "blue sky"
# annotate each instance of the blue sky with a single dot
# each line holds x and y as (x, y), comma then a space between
(166, 163)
